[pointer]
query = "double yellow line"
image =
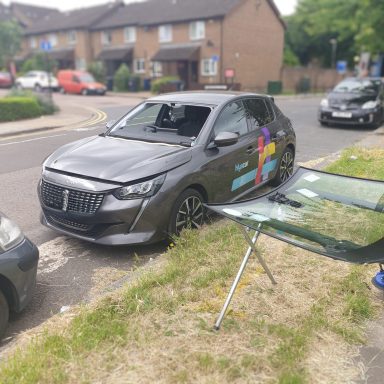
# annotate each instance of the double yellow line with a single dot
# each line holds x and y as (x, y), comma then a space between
(97, 117)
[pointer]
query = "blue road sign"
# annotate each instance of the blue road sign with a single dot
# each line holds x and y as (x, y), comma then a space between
(341, 66)
(215, 58)
(45, 45)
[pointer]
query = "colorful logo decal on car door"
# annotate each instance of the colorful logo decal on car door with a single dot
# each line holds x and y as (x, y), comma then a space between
(266, 148)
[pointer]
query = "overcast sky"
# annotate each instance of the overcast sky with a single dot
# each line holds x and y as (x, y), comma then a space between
(285, 6)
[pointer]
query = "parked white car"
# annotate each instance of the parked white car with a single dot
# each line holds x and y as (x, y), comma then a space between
(37, 80)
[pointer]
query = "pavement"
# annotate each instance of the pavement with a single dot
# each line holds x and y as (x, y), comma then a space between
(371, 355)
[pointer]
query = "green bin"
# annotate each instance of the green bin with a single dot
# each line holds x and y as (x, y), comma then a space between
(275, 87)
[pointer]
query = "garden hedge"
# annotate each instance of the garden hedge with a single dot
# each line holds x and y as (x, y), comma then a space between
(17, 108)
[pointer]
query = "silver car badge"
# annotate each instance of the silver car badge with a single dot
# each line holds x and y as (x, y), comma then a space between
(65, 200)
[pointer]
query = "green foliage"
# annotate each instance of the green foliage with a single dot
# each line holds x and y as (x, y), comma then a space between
(290, 59)
(121, 78)
(315, 22)
(17, 108)
(10, 41)
(157, 85)
(39, 62)
(45, 104)
(98, 71)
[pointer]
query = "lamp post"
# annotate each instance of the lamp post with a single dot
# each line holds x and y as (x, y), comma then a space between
(333, 43)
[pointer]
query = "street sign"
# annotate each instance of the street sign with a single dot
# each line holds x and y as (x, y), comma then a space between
(229, 73)
(215, 58)
(341, 67)
(45, 45)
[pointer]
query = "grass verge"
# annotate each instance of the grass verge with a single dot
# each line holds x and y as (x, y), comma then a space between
(159, 329)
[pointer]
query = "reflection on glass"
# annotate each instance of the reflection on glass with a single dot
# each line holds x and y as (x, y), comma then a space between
(338, 216)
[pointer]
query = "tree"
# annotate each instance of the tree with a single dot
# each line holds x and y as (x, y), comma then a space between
(315, 23)
(10, 41)
(39, 62)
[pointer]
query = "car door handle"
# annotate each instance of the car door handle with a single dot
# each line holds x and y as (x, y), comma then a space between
(250, 150)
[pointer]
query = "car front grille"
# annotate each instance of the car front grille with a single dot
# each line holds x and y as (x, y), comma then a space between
(54, 219)
(70, 200)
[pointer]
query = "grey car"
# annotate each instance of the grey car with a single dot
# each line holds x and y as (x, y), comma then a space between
(148, 176)
(18, 267)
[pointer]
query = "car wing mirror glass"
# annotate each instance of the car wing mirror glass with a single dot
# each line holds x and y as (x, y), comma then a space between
(224, 139)
(110, 124)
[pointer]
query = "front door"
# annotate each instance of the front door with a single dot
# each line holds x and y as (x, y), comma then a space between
(182, 72)
(230, 171)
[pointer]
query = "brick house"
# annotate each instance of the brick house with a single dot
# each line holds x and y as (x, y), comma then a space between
(200, 41)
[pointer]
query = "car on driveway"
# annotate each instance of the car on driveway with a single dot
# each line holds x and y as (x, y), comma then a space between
(5, 80)
(18, 267)
(38, 81)
(354, 101)
(149, 174)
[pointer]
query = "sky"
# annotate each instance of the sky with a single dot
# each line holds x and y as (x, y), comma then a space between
(286, 7)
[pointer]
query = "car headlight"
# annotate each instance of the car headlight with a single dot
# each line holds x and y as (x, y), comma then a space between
(370, 104)
(10, 234)
(140, 190)
(324, 103)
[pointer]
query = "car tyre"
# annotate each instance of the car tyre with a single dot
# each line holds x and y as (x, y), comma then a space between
(84, 92)
(37, 88)
(323, 123)
(285, 169)
(62, 90)
(187, 212)
(19, 86)
(4, 313)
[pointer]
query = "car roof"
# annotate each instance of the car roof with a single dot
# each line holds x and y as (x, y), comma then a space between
(201, 97)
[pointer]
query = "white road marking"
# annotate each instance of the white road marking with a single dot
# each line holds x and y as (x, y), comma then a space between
(35, 139)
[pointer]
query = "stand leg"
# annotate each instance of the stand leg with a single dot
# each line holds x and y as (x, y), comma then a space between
(237, 279)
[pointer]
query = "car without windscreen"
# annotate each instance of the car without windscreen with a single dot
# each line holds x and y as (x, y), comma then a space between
(18, 267)
(148, 176)
(354, 101)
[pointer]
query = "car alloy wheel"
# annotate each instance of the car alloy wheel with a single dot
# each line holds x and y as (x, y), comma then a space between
(285, 167)
(188, 212)
(84, 92)
(38, 88)
(4, 313)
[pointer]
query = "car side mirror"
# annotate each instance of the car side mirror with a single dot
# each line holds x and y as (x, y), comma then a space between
(110, 124)
(225, 139)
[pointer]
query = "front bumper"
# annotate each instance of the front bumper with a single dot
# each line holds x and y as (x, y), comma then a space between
(19, 266)
(115, 222)
(349, 117)
(96, 91)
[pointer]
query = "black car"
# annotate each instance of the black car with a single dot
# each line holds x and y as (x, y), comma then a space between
(149, 174)
(18, 267)
(354, 101)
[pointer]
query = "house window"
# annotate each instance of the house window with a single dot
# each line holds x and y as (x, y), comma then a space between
(52, 38)
(139, 65)
(165, 33)
(157, 69)
(129, 34)
(106, 37)
(197, 30)
(32, 42)
(71, 37)
(208, 67)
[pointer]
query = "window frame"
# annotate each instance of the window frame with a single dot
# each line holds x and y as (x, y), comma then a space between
(33, 42)
(213, 67)
(70, 34)
(139, 68)
(197, 30)
(106, 37)
(165, 33)
(130, 34)
(53, 40)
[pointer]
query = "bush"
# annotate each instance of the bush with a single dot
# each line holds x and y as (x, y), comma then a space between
(97, 69)
(17, 108)
(159, 85)
(45, 103)
(121, 78)
(39, 62)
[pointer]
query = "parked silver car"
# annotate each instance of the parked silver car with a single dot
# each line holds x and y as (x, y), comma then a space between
(18, 268)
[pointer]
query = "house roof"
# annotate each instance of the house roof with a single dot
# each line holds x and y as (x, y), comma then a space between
(28, 14)
(152, 12)
(82, 18)
(116, 53)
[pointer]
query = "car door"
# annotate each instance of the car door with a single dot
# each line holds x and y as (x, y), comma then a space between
(29, 80)
(229, 171)
(268, 137)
